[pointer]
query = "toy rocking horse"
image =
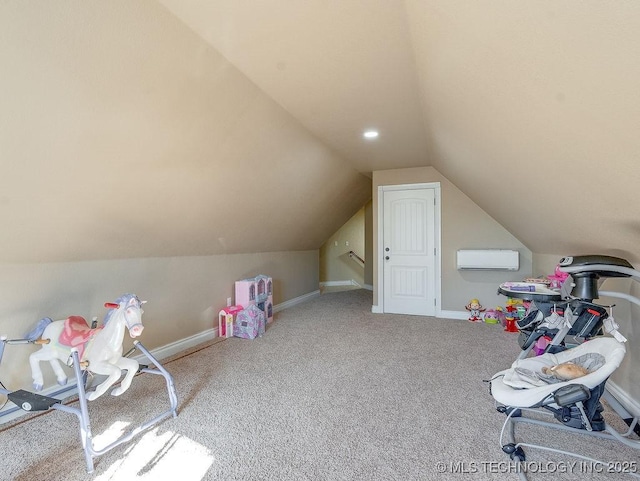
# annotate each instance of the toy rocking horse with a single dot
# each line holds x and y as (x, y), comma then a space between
(95, 350)
(99, 349)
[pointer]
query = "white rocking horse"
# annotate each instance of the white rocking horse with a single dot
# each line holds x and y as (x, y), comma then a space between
(99, 350)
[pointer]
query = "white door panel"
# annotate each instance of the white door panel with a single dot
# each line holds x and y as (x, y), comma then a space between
(409, 251)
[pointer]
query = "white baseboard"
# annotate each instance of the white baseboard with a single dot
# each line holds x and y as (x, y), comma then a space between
(335, 283)
(462, 315)
(349, 282)
(624, 399)
(10, 412)
(368, 287)
(295, 300)
(176, 347)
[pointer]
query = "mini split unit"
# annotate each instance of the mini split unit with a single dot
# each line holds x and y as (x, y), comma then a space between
(500, 259)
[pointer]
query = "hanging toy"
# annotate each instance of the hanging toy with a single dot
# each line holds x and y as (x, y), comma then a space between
(557, 278)
(540, 347)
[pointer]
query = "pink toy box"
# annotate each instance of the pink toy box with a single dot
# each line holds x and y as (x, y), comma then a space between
(256, 291)
(226, 319)
(250, 323)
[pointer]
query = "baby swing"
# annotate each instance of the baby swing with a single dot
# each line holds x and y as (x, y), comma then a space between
(574, 329)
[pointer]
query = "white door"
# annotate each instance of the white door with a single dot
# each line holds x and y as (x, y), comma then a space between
(408, 251)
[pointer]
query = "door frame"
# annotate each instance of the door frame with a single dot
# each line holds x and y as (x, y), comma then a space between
(380, 237)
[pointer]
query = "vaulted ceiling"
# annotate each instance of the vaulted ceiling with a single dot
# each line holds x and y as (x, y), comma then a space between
(340, 67)
(183, 127)
(531, 108)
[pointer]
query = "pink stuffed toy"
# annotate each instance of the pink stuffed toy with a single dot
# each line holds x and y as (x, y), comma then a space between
(558, 278)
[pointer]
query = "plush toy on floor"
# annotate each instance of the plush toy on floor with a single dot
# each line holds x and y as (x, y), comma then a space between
(475, 310)
(565, 371)
(494, 316)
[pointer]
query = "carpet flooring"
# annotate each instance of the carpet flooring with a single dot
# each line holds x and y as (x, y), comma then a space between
(331, 392)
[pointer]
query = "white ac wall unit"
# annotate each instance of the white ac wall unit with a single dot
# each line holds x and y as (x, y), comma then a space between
(502, 259)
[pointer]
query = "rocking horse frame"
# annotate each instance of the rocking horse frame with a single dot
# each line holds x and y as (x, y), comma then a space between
(82, 412)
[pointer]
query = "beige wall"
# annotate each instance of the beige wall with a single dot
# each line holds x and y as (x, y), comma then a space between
(125, 135)
(627, 315)
(532, 107)
(464, 226)
(368, 243)
(184, 294)
(544, 264)
(335, 263)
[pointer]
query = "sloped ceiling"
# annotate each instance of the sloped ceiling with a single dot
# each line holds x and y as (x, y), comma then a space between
(340, 67)
(533, 111)
(184, 127)
(123, 134)
(531, 107)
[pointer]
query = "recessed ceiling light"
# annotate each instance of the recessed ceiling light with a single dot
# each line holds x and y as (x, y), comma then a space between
(370, 134)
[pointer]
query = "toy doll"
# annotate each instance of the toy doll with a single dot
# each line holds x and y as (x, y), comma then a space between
(475, 308)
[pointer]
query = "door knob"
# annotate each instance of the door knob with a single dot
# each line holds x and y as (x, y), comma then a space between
(387, 257)
(386, 249)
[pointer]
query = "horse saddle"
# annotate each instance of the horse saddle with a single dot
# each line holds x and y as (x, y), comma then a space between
(76, 333)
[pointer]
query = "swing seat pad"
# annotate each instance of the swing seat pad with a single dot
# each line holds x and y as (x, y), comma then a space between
(511, 388)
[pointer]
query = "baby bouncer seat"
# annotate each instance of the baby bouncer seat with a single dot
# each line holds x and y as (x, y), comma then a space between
(534, 384)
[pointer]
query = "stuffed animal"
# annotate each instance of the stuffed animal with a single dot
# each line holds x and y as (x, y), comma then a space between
(565, 371)
(557, 278)
(491, 316)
